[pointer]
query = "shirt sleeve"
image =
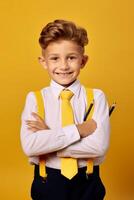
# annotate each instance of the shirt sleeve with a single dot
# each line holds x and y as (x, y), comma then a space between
(96, 144)
(43, 141)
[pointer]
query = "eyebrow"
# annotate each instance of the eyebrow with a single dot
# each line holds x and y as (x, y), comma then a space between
(53, 54)
(56, 54)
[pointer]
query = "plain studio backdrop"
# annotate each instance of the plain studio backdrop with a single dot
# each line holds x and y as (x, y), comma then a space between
(110, 68)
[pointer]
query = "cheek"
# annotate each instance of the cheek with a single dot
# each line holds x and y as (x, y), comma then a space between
(78, 63)
(50, 67)
(77, 67)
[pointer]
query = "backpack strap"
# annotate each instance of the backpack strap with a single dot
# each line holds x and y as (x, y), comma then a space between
(41, 113)
(90, 105)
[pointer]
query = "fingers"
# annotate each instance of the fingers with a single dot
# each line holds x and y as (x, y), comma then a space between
(34, 124)
(32, 129)
(37, 124)
(37, 117)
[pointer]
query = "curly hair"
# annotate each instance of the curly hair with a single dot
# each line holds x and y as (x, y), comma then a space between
(62, 29)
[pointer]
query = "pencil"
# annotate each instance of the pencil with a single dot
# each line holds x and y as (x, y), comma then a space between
(88, 111)
(112, 107)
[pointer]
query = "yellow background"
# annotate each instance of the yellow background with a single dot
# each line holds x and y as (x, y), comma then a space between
(109, 24)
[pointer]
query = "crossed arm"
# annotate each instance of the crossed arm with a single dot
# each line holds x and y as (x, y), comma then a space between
(85, 129)
(88, 139)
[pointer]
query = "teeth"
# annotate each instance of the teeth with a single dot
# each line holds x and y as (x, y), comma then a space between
(64, 73)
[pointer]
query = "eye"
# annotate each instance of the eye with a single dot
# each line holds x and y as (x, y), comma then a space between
(54, 58)
(72, 57)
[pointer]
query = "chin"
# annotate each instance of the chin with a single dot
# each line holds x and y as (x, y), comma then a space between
(67, 84)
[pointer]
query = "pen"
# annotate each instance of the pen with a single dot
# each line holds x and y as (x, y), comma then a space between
(111, 108)
(88, 111)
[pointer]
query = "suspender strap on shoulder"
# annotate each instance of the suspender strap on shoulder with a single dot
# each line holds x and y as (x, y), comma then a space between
(90, 105)
(41, 113)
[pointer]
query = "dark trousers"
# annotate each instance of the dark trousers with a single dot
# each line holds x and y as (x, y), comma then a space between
(58, 187)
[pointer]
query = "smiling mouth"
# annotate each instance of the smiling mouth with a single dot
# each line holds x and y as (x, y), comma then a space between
(66, 73)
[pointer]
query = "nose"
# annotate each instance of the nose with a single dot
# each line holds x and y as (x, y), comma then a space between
(64, 65)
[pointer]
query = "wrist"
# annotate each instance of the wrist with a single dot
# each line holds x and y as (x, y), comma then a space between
(80, 130)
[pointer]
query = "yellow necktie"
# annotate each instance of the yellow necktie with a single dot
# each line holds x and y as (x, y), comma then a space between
(69, 167)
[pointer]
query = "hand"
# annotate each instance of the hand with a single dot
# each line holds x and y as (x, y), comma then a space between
(37, 125)
(87, 127)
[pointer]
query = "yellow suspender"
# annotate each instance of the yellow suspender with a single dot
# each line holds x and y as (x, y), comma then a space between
(41, 113)
(90, 99)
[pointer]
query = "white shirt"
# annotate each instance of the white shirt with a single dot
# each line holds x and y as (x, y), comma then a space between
(66, 141)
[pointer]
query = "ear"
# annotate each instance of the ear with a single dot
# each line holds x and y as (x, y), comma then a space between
(42, 61)
(84, 61)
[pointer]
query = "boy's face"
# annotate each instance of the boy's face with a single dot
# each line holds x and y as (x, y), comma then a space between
(63, 59)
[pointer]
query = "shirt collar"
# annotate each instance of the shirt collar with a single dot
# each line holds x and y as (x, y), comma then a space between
(57, 88)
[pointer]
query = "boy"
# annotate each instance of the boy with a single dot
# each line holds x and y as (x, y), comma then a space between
(62, 44)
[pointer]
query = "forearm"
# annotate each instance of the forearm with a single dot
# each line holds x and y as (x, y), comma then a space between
(94, 145)
(37, 138)
(37, 142)
(47, 141)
